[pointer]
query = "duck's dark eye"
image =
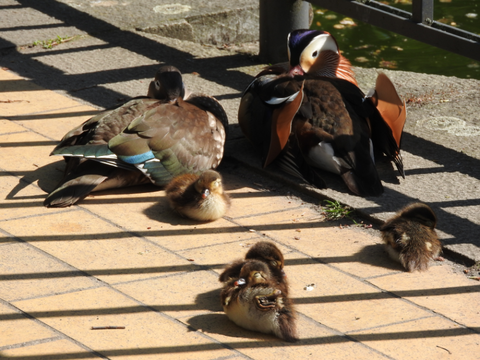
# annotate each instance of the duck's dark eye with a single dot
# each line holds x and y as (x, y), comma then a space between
(315, 53)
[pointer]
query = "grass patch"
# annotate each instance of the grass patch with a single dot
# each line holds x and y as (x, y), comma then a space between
(48, 44)
(333, 210)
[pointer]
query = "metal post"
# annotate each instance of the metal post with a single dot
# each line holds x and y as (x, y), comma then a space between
(422, 11)
(277, 19)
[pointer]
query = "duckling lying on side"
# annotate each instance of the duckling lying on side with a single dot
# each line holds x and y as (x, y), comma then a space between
(253, 301)
(266, 252)
(198, 197)
(410, 237)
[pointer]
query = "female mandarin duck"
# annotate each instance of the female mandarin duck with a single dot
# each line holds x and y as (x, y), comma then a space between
(199, 197)
(148, 139)
(254, 302)
(268, 253)
(315, 116)
(410, 237)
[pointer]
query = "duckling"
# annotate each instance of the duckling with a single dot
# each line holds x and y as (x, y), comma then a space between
(309, 114)
(198, 197)
(270, 254)
(266, 252)
(410, 237)
(146, 140)
(253, 302)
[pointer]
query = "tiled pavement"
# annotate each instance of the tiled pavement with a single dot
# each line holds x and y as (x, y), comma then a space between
(123, 259)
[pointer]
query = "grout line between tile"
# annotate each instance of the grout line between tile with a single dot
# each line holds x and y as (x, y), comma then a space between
(390, 324)
(342, 334)
(41, 323)
(30, 343)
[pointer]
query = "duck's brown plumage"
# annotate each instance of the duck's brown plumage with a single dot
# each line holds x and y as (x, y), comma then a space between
(410, 237)
(268, 253)
(199, 197)
(161, 137)
(319, 118)
(254, 302)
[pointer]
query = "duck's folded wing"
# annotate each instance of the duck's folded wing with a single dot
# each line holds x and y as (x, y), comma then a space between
(387, 115)
(107, 124)
(171, 140)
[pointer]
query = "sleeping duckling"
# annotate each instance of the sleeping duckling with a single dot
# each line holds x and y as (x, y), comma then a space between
(198, 197)
(266, 252)
(270, 254)
(410, 237)
(254, 302)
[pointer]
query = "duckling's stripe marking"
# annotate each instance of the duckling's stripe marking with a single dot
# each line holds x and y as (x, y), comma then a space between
(137, 159)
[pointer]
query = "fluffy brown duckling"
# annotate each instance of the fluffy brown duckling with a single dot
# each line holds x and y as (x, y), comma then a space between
(410, 237)
(266, 252)
(198, 197)
(253, 301)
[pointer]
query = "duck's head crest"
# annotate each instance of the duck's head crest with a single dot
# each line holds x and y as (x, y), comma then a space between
(316, 52)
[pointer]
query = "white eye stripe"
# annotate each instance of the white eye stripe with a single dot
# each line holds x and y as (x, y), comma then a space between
(157, 85)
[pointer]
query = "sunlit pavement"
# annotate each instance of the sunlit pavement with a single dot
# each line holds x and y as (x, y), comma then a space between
(123, 259)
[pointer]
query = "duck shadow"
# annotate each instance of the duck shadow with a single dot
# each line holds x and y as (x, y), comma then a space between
(209, 300)
(220, 324)
(375, 255)
(217, 322)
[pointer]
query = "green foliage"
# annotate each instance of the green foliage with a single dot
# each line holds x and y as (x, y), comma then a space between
(48, 44)
(333, 210)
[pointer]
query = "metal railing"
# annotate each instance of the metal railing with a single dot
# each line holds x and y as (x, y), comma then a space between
(418, 25)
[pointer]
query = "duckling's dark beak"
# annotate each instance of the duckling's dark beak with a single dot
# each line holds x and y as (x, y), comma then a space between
(205, 193)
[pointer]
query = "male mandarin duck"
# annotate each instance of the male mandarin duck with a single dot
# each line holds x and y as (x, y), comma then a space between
(254, 301)
(199, 197)
(148, 139)
(313, 115)
(410, 237)
(268, 253)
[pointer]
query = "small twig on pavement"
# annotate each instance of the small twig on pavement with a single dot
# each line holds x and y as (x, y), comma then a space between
(107, 327)
(444, 349)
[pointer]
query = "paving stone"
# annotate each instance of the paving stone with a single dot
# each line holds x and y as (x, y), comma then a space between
(430, 338)
(140, 250)
(7, 126)
(20, 97)
(218, 256)
(19, 199)
(59, 349)
(346, 248)
(147, 334)
(25, 152)
(97, 247)
(151, 216)
(315, 340)
(27, 273)
(439, 289)
(180, 295)
(55, 124)
(16, 328)
(344, 303)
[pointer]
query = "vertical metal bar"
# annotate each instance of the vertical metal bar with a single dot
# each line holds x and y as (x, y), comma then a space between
(277, 19)
(422, 11)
